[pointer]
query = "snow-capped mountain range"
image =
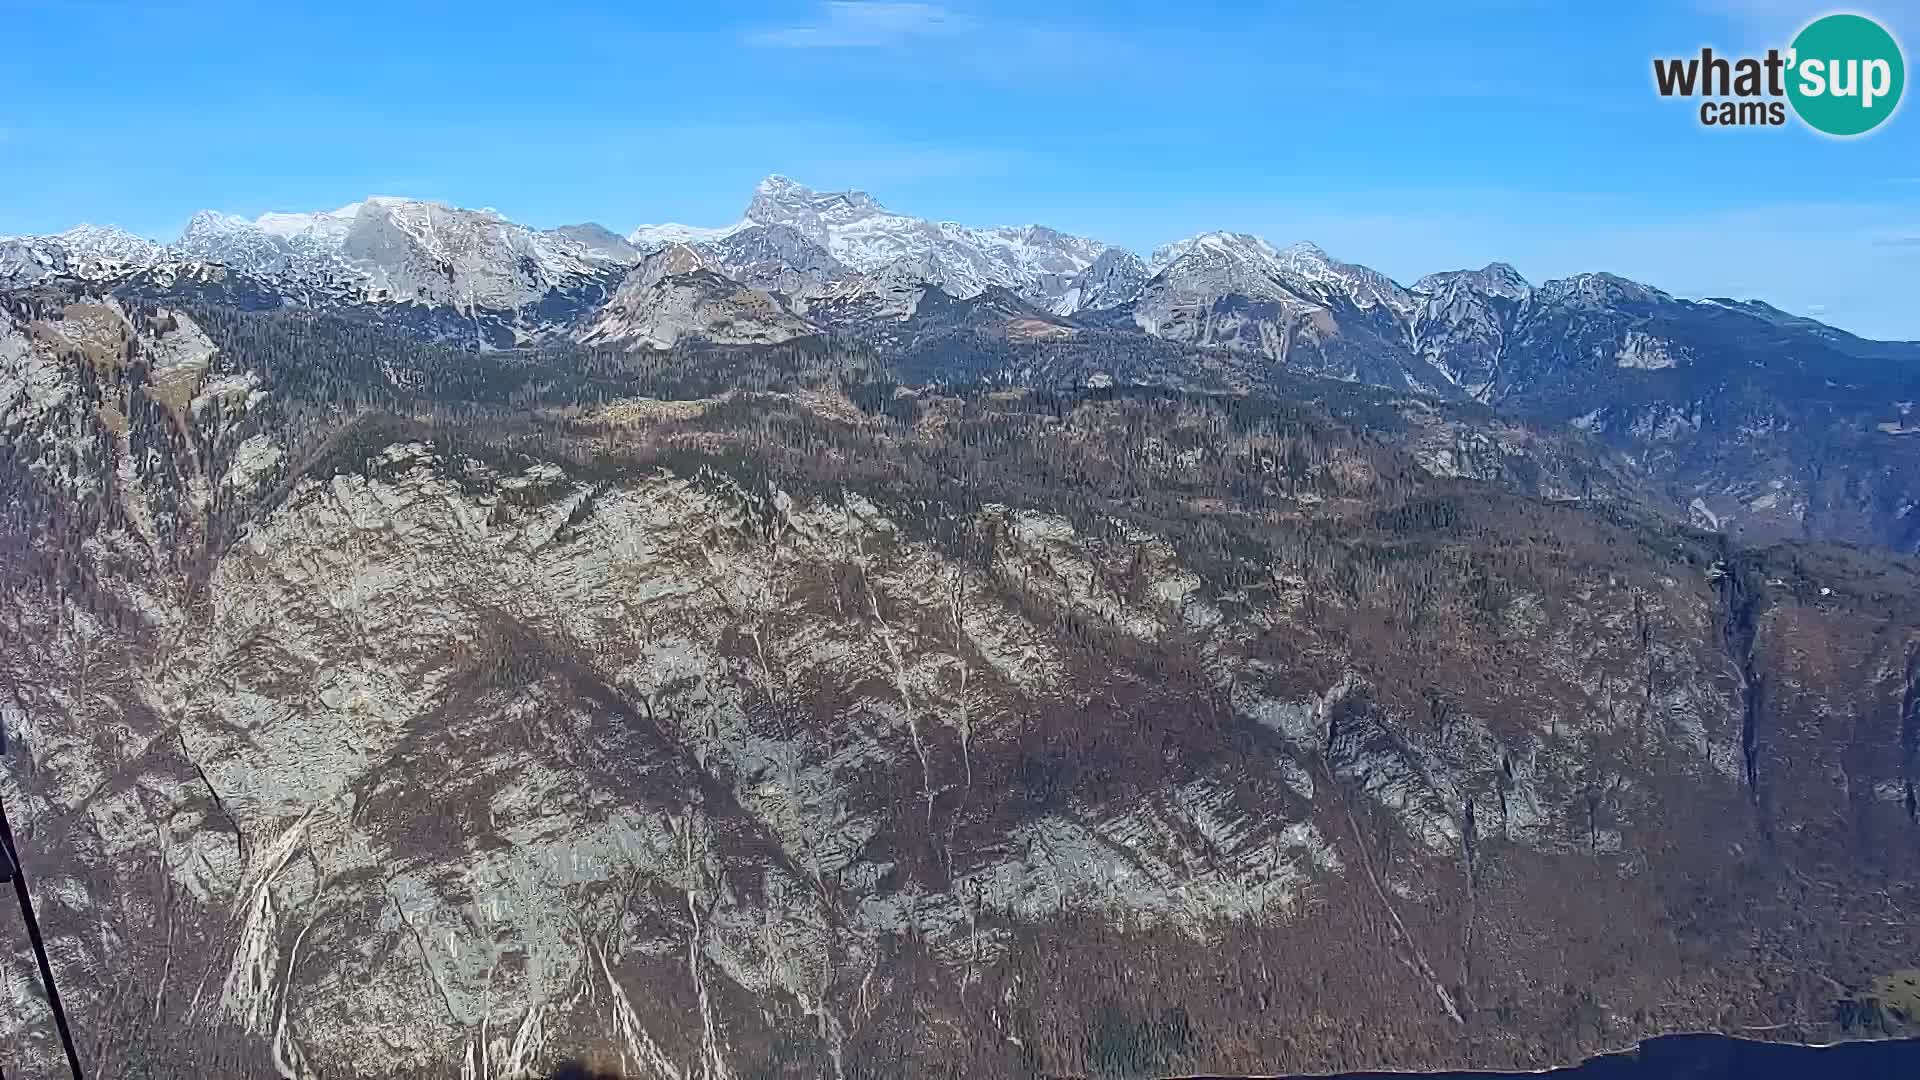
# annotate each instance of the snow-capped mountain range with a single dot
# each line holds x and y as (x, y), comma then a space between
(800, 261)
(1034, 261)
(828, 258)
(791, 240)
(408, 250)
(480, 266)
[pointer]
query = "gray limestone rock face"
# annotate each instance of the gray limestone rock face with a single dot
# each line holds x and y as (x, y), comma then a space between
(361, 744)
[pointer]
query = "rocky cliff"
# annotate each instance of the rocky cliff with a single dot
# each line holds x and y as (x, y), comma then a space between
(745, 713)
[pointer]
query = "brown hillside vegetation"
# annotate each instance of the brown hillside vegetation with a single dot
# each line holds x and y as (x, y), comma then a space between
(425, 709)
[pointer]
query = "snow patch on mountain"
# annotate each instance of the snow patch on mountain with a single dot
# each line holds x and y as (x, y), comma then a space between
(109, 243)
(1600, 290)
(1114, 279)
(1034, 261)
(90, 252)
(654, 237)
(329, 225)
(598, 242)
(405, 250)
(1494, 279)
(1363, 286)
(1253, 266)
(1219, 248)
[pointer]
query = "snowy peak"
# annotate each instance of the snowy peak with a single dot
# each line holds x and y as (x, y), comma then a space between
(467, 258)
(1036, 262)
(109, 244)
(409, 250)
(318, 225)
(775, 186)
(780, 201)
(646, 238)
(90, 252)
(1494, 279)
(1214, 265)
(597, 242)
(1600, 290)
(211, 236)
(1307, 259)
(1248, 263)
(1114, 279)
(1363, 286)
(209, 224)
(1219, 248)
(819, 216)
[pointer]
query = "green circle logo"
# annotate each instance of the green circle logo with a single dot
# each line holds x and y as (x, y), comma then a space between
(1846, 74)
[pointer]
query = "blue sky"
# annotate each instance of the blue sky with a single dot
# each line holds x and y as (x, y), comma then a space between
(1408, 136)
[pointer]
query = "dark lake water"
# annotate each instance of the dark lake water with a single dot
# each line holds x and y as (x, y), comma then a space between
(1717, 1057)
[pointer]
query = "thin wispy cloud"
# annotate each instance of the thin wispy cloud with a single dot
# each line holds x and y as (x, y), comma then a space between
(865, 24)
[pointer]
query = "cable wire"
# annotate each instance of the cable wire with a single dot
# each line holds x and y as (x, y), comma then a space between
(39, 946)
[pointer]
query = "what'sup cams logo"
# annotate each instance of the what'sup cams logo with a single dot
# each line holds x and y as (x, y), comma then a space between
(1841, 76)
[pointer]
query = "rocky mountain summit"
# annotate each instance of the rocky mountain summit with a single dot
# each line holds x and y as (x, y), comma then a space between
(386, 708)
(1742, 413)
(676, 293)
(85, 252)
(1033, 261)
(410, 251)
(465, 274)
